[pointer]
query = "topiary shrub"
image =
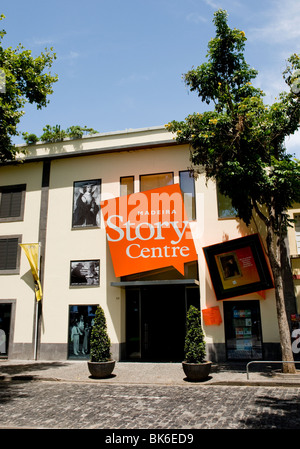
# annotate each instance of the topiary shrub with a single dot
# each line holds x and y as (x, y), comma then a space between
(100, 342)
(194, 346)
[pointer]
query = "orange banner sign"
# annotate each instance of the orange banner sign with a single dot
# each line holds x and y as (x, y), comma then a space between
(148, 230)
(212, 316)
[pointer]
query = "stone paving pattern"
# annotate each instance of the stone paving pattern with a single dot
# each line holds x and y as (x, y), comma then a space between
(145, 373)
(57, 405)
(61, 395)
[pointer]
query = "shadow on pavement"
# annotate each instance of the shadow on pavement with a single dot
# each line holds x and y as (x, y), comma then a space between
(272, 412)
(26, 368)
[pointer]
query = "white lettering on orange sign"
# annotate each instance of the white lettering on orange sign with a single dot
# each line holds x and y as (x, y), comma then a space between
(151, 227)
(165, 251)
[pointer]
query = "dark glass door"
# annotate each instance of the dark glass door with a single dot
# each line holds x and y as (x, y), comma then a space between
(133, 324)
(155, 322)
(5, 320)
(163, 323)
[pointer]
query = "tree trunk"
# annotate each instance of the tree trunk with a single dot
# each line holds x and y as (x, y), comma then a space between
(274, 250)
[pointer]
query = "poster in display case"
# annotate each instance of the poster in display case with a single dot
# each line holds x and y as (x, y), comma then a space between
(243, 330)
(81, 321)
(238, 267)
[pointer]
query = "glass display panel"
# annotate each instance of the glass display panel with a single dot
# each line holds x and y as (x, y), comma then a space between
(81, 320)
(243, 330)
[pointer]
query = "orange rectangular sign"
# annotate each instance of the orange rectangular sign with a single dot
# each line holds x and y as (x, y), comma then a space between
(148, 230)
(212, 316)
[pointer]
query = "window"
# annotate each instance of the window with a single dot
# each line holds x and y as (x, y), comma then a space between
(225, 208)
(10, 254)
(149, 182)
(126, 185)
(12, 200)
(187, 186)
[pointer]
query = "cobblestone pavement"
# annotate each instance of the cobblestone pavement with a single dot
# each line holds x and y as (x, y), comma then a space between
(66, 405)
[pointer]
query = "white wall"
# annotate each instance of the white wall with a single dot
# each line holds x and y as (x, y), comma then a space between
(21, 287)
(65, 244)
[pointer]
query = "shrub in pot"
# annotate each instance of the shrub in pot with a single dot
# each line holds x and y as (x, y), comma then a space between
(100, 364)
(194, 365)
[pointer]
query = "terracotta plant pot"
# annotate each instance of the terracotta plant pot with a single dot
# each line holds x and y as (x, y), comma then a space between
(101, 370)
(196, 371)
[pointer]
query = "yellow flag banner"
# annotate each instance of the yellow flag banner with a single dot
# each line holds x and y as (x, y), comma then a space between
(32, 252)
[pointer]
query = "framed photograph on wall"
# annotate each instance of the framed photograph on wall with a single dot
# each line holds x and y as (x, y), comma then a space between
(238, 267)
(86, 204)
(84, 272)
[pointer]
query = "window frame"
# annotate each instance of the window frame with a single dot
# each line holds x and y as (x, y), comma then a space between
(126, 177)
(296, 217)
(10, 189)
(18, 256)
(194, 216)
(232, 215)
(154, 174)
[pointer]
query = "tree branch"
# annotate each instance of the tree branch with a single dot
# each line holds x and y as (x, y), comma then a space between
(265, 219)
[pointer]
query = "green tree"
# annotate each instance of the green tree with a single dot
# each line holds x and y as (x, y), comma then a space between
(240, 144)
(24, 80)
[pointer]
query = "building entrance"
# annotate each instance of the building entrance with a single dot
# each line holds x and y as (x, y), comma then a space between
(5, 319)
(155, 321)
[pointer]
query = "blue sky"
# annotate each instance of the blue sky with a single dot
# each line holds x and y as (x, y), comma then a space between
(120, 62)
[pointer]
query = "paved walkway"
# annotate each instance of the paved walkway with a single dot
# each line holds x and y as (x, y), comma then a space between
(146, 373)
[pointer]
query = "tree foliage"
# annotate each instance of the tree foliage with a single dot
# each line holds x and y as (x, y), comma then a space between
(27, 79)
(194, 345)
(241, 141)
(100, 341)
(56, 134)
(240, 144)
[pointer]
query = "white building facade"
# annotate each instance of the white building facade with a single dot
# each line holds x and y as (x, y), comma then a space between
(53, 198)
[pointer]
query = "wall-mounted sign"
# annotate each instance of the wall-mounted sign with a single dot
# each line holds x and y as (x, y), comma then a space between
(148, 230)
(238, 267)
(212, 316)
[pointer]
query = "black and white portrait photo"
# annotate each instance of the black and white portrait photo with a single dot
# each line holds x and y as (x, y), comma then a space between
(86, 204)
(85, 272)
(81, 321)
